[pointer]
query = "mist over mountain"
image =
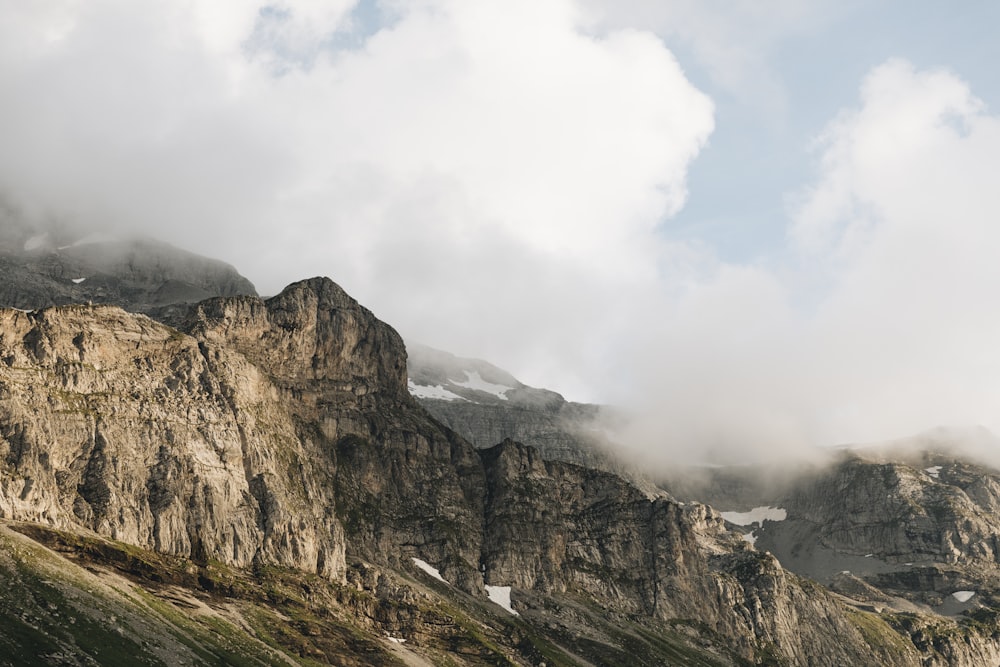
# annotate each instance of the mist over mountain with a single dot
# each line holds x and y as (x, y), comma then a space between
(53, 266)
(486, 405)
(276, 481)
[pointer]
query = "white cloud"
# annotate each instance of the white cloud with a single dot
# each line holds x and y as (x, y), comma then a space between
(900, 234)
(917, 269)
(487, 176)
(735, 41)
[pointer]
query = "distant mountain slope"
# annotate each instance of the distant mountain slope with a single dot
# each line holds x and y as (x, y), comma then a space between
(140, 275)
(486, 405)
(912, 527)
(924, 528)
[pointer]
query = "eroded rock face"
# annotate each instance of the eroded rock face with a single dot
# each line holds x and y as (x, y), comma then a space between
(122, 425)
(404, 486)
(552, 526)
(258, 436)
(311, 333)
(905, 513)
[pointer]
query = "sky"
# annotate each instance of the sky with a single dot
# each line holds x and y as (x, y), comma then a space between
(761, 225)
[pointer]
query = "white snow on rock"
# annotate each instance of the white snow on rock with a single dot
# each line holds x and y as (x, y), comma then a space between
(756, 515)
(501, 595)
(395, 640)
(963, 596)
(475, 381)
(429, 569)
(77, 280)
(933, 471)
(437, 391)
(749, 537)
(36, 241)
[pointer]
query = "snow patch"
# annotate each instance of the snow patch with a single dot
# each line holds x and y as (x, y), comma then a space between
(475, 381)
(36, 242)
(757, 515)
(501, 595)
(77, 280)
(395, 640)
(437, 391)
(429, 569)
(933, 471)
(963, 596)
(749, 537)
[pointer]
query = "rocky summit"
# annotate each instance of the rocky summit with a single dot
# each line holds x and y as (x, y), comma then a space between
(258, 486)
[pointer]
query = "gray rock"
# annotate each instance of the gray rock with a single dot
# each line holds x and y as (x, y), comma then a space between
(560, 430)
(139, 275)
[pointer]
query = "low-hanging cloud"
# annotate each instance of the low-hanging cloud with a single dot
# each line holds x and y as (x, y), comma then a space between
(881, 324)
(492, 178)
(487, 176)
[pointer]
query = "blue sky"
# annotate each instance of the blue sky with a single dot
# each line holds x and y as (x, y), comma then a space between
(762, 224)
(756, 157)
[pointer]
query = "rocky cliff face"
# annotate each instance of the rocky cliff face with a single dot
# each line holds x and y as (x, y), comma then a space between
(402, 483)
(280, 433)
(119, 424)
(558, 527)
(919, 530)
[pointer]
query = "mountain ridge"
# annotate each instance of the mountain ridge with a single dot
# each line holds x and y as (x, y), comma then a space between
(138, 274)
(266, 445)
(281, 432)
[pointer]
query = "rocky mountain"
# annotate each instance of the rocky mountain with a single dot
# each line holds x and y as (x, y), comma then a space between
(909, 531)
(258, 486)
(486, 404)
(39, 269)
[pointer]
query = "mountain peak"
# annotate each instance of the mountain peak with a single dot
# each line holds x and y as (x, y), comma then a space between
(312, 330)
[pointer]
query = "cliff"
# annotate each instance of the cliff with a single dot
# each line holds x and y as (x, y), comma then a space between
(268, 461)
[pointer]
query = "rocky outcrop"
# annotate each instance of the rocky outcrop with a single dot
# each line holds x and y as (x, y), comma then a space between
(314, 337)
(119, 424)
(919, 527)
(404, 486)
(901, 513)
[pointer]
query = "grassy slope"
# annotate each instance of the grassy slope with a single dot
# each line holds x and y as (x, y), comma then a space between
(71, 599)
